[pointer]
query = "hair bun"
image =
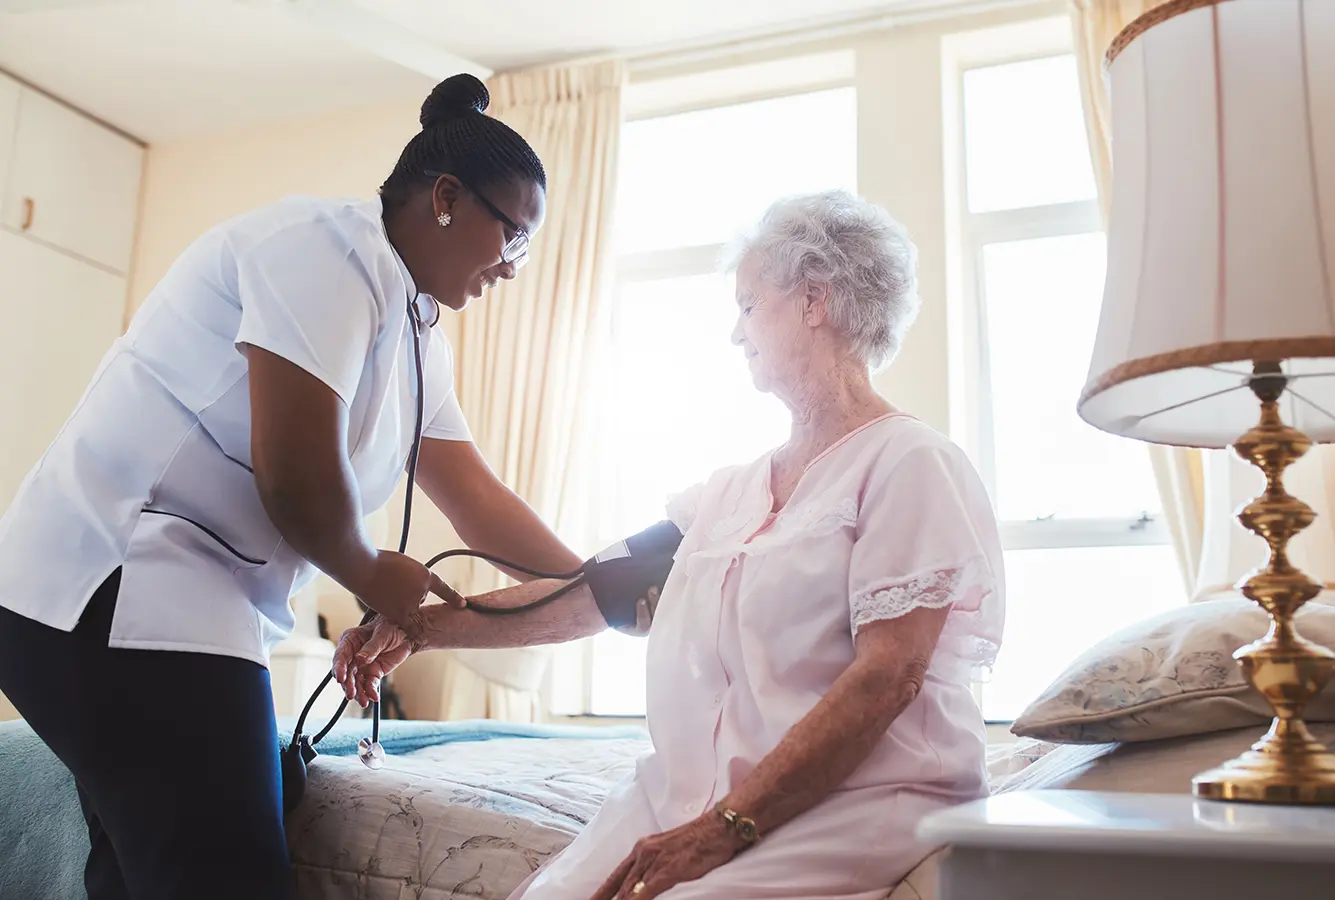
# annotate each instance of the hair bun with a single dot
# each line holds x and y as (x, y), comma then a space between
(454, 98)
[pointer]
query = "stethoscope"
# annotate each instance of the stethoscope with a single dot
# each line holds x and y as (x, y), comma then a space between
(301, 750)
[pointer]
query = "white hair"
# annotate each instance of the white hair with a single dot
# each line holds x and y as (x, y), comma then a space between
(854, 246)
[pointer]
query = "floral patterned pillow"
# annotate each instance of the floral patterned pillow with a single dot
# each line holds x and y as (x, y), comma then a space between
(1169, 676)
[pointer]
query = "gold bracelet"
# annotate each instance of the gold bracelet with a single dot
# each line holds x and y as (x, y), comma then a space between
(742, 826)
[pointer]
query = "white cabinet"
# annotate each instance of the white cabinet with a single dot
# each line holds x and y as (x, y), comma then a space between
(73, 183)
(9, 123)
(60, 316)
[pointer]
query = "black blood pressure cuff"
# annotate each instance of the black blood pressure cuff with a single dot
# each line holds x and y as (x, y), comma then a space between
(627, 578)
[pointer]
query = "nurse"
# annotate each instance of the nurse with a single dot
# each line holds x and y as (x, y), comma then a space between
(261, 404)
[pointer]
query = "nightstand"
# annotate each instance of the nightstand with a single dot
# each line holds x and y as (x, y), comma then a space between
(1084, 845)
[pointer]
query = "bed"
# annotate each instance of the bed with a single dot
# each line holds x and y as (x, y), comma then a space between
(469, 818)
(1142, 711)
(460, 809)
(469, 809)
(474, 818)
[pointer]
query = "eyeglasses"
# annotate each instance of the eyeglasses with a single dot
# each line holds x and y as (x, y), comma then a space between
(515, 251)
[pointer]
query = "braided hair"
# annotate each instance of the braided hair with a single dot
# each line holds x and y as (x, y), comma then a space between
(457, 138)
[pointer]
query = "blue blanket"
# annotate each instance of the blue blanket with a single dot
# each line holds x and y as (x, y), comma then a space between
(43, 833)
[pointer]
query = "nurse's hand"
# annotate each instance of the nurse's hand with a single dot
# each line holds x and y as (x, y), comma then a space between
(396, 587)
(368, 653)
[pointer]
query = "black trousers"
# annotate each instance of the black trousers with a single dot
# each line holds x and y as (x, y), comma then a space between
(175, 756)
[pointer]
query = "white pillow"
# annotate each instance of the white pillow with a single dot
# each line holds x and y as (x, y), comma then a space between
(1169, 676)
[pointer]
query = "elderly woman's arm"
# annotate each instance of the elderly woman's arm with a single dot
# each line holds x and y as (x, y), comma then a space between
(817, 755)
(831, 741)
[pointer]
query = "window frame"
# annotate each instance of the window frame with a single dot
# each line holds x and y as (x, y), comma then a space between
(972, 422)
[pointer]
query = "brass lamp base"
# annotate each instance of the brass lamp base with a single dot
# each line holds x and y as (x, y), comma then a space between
(1288, 765)
(1291, 770)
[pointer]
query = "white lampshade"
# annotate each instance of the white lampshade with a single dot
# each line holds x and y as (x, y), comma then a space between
(1221, 239)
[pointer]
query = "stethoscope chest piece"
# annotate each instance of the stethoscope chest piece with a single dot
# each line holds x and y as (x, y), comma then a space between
(370, 753)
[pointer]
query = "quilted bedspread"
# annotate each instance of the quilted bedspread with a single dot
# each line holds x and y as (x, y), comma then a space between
(468, 819)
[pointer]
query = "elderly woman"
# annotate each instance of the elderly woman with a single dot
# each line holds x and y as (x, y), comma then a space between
(809, 662)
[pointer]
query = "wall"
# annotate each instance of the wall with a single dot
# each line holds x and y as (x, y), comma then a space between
(192, 184)
(900, 166)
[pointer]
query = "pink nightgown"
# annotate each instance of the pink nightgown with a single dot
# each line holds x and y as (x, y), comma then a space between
(755, 624)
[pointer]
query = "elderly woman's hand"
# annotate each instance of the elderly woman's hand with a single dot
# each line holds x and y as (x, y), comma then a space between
(662, 861)
(368, 653)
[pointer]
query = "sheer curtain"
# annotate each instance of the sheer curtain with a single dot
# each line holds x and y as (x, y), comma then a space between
(525, 357)
(1179, 472)
(1201, 490)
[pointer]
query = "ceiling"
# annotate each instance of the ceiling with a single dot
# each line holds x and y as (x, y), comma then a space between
(160, 69)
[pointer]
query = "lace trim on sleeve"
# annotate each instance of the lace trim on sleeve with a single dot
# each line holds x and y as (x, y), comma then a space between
(895, 597)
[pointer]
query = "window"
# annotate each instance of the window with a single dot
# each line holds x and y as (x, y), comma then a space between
(679, 397)
(1086, 551)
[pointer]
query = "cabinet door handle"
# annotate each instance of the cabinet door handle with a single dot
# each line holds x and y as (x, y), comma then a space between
(28, 208)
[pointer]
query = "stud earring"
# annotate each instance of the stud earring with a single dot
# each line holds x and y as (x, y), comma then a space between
(443, 219)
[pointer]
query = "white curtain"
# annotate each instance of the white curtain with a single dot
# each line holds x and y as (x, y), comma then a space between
(1178, 472)
(525, 358)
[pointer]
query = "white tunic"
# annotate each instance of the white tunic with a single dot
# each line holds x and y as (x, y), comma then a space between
(163, 432)
(756, 622)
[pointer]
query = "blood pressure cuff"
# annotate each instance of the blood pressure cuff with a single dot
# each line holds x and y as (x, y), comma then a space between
(627, 578)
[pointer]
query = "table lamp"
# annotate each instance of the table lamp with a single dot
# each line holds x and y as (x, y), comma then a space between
(1218, 320)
